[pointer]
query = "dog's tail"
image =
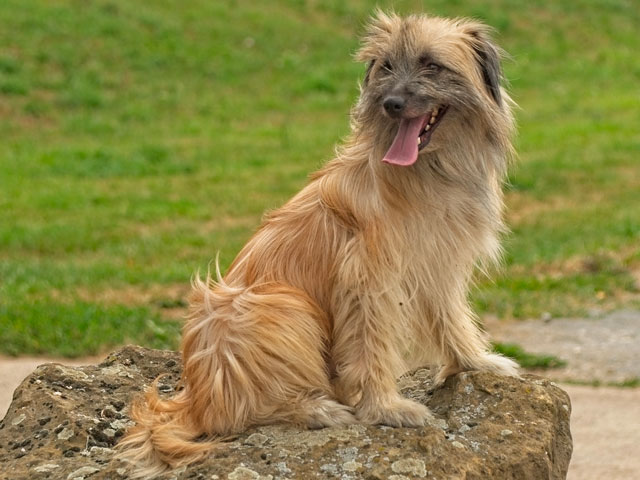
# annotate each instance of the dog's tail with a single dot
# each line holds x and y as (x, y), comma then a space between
(166, 434)
(266, 365)
(164, 437)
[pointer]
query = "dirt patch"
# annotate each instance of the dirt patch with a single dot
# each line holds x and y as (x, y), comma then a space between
(621, 260)
(168, 300)
(129, 295)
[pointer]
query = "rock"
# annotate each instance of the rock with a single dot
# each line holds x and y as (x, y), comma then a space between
(64, 422)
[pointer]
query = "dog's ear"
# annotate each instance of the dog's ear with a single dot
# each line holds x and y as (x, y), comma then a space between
(488, 58)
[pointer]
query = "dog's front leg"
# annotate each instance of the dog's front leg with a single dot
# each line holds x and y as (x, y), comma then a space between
(366, 354)
(462, 346)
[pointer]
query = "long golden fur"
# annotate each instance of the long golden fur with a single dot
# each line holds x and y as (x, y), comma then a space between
(362, 275)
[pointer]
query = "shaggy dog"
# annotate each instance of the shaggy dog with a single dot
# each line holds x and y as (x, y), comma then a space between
(365, 273)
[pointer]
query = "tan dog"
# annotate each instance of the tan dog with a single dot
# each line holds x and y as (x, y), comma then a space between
(364, 274)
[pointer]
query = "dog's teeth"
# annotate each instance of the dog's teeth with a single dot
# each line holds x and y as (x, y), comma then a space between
(432, 121)
(419, 140)
(435, 111)
(427, 128)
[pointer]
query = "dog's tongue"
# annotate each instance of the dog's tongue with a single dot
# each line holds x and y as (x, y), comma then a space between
(404, 149)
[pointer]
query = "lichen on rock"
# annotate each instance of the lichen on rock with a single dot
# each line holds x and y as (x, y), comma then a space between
(64, 422)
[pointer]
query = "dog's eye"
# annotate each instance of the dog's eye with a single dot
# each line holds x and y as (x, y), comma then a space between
(387, 66)
(432, 68)
(429, 66)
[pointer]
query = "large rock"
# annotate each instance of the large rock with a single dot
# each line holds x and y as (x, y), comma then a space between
(64, 421)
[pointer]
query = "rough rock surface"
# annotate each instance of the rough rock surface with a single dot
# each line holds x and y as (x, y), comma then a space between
(64, 421)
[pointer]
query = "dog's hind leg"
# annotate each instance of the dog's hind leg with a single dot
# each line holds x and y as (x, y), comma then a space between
(257, 356)
(251, 356)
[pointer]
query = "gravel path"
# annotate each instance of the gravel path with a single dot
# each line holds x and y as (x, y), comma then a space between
(605, 421)
(605, 349)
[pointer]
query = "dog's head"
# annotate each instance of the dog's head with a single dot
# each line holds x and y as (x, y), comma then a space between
(427, 80)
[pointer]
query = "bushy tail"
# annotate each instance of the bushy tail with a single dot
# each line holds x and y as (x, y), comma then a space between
(251, 356)
(164, 436)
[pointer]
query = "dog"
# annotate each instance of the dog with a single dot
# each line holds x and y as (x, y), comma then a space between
(365, 273)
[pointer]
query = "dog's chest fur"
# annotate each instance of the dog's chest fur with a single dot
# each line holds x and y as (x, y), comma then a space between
(442, 239)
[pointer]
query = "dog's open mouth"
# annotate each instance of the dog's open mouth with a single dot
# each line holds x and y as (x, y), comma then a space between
(413, 135)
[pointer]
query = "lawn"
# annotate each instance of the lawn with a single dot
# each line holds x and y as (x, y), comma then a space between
(138, 139)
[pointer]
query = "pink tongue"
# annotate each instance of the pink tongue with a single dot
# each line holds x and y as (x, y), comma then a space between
(404, 149)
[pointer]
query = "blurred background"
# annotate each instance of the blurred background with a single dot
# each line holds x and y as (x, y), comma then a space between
(138, 139)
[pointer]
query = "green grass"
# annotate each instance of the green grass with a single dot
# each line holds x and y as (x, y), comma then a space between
(140, 138)
(526, 359)
(77, 328)
(633, 382)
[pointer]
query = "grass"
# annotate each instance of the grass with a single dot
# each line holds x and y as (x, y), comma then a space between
(633, 382)
(526, 359)
(138, 139)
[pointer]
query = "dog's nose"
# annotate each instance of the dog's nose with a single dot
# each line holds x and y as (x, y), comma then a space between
(394, 105)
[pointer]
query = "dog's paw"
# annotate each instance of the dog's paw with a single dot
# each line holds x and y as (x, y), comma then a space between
(445, 372)
(399, 412)
(492, 362)
(329, 413)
